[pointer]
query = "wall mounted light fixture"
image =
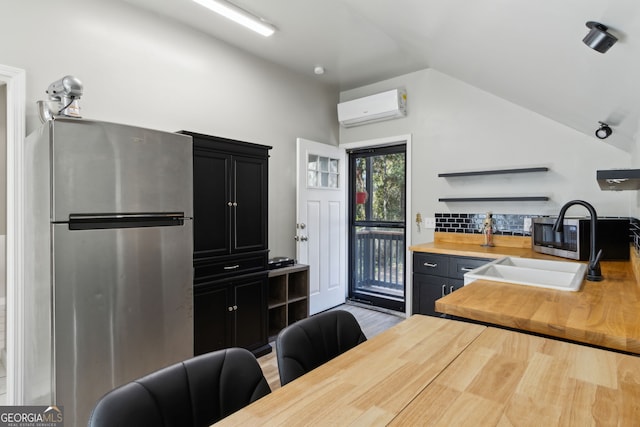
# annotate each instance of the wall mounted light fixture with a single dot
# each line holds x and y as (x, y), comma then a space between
(604, 131)
(598, 38)
(239, 15)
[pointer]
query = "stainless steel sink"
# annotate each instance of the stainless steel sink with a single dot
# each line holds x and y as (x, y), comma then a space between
(560, 275)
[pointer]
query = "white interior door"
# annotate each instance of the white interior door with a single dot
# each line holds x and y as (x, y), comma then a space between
(321, 231)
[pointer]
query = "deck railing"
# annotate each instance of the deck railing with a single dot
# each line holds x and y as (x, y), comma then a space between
(379, 262)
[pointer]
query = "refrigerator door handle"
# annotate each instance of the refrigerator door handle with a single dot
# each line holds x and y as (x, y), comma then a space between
(125, 220)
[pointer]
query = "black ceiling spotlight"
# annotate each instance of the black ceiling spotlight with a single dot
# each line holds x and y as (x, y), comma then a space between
(598, 38)
(603, 131)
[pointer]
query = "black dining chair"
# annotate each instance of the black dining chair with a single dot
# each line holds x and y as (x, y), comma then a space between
(308, 343)
(196, 392)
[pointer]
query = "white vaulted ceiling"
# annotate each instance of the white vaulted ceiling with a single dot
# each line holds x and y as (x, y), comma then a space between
(528, 52)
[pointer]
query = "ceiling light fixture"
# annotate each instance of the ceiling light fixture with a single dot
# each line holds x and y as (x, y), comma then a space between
(598, 38)
(603, 131)
(239, 15)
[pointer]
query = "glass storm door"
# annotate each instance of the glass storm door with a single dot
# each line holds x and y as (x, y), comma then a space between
(377, 226)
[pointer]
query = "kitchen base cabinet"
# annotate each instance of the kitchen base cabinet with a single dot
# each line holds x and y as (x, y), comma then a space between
(435, 276)
(231, 313)
(427, 289)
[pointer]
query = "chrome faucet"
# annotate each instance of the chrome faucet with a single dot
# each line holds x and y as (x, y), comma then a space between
(593, 270)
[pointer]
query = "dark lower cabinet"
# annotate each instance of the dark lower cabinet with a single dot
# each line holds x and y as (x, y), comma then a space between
(211, 319)
(231, 313)
(249, 314)
(427, 289)
(435, 276)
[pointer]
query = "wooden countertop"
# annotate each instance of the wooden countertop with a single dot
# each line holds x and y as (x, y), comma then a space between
(369, 384)
(508, 378)
(470, 245)
(428, 370)
(603, 313)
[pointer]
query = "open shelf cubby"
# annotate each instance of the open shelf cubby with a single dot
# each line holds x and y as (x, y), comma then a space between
(277, 291)
(277, 319)
(298, 310)
(288, 297)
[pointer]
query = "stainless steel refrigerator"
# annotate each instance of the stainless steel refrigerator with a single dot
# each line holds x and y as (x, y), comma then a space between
(109, 254)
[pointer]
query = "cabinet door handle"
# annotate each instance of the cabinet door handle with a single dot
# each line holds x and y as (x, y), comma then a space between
(303, 238)
(235, 204)
(428, 264)
(466, 269)
(229, 204)
(232, 267)
(444, 288)
(230, 308)
(235, 307)
(451, 289)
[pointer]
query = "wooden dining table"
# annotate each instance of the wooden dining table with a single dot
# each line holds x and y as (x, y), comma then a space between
(441, 372)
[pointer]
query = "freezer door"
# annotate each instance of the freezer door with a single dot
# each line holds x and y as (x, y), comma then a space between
(100, 167)
(123, 308)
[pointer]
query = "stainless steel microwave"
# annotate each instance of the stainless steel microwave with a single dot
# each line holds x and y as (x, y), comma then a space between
(573, 243)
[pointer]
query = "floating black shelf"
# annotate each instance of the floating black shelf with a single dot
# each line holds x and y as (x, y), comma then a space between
(495, 199)
(493, 172)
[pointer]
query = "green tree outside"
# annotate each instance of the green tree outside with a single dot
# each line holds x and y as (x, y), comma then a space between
(383, 179)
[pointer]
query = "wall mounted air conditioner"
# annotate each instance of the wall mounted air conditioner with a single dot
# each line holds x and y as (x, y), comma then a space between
(381, 106)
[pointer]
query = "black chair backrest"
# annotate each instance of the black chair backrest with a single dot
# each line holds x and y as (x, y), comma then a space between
(196, 392)
(310, 342)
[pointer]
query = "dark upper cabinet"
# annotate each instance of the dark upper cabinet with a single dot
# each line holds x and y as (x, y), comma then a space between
(211, 215)
(230, 196)
(249, 211)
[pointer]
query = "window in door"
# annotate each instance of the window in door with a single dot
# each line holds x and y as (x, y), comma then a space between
(322, 172)
(377, 226)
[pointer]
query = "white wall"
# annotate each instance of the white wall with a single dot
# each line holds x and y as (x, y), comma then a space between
(144, 70)
(457, 127)
(635, 164)
(3, 194)
(3, 160)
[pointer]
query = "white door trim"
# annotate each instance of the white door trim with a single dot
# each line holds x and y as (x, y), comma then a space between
(379, 142)
(15, 80)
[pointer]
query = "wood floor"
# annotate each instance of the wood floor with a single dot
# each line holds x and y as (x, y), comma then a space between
(371, 321)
